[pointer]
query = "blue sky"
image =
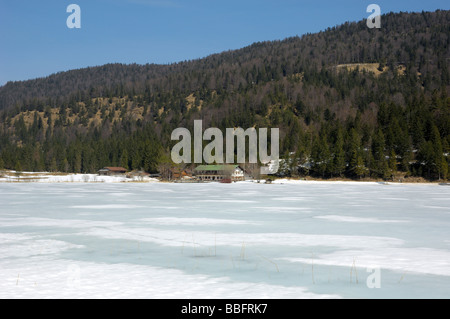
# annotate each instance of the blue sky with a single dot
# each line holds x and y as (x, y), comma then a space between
(35, 40)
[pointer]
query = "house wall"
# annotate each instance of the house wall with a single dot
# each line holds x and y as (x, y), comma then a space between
(237, 175)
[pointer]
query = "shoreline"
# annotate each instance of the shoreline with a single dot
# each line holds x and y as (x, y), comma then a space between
(10, 176)
(409, 181)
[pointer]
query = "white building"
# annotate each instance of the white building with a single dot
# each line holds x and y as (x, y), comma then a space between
(231, 173)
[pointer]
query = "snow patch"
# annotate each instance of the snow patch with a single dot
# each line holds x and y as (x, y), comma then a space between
(41, 278)
(178, 238)
(351, 219)
(34, 248)
(107, 206)
(404, 260)
(50, 222)
(195, 221)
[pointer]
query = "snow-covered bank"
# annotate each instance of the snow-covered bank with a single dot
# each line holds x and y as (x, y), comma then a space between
(45, 177)
(344, 182)
(300, 182)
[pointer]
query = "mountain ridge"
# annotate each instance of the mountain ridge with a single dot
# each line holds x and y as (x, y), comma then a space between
(104, 77)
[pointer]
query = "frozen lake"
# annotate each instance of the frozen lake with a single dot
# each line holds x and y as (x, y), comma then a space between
(244, 240)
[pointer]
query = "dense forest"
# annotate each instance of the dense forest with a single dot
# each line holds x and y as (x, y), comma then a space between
(349, 101)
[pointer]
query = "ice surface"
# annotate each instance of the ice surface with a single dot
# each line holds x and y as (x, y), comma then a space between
(241, 240)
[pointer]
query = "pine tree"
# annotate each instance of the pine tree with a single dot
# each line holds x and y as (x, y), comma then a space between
(393, 162)
(124, 159)
(66, 166)
(303, 152)
(339, 154)
(444, 169)
(18, 168)
(54, 165)
(354, 152)
(425, 157)
(405, 163)
(320, 155)
(77, 163)
(438, 154)
(381, 167)
(445, 145)
(360, 168)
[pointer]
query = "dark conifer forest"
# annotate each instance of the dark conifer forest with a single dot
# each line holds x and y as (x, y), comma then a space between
(350, 102)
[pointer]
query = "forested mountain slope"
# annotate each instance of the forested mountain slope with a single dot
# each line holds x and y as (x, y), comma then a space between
(350, 101)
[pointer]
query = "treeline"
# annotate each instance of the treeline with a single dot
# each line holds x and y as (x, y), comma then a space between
(404, 142)
(84, 153)
(400, 141)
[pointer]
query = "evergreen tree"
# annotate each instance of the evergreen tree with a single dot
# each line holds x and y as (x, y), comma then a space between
(354, 153)
(320, 155)
(438, 159)
(124, 159)
(444, 169)
(66, 167)
(445, 144)
(339, 154)
(360, 168)
(18, 168)
(405, 162)
(53, 165)
(303, 153)
(426, 157)
(77, 161)
(381, 168)
(393, 162)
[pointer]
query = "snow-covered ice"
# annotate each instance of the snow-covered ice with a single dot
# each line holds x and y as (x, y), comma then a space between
(241, 240)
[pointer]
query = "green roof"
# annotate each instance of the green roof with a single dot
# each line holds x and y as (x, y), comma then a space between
(215, 167)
